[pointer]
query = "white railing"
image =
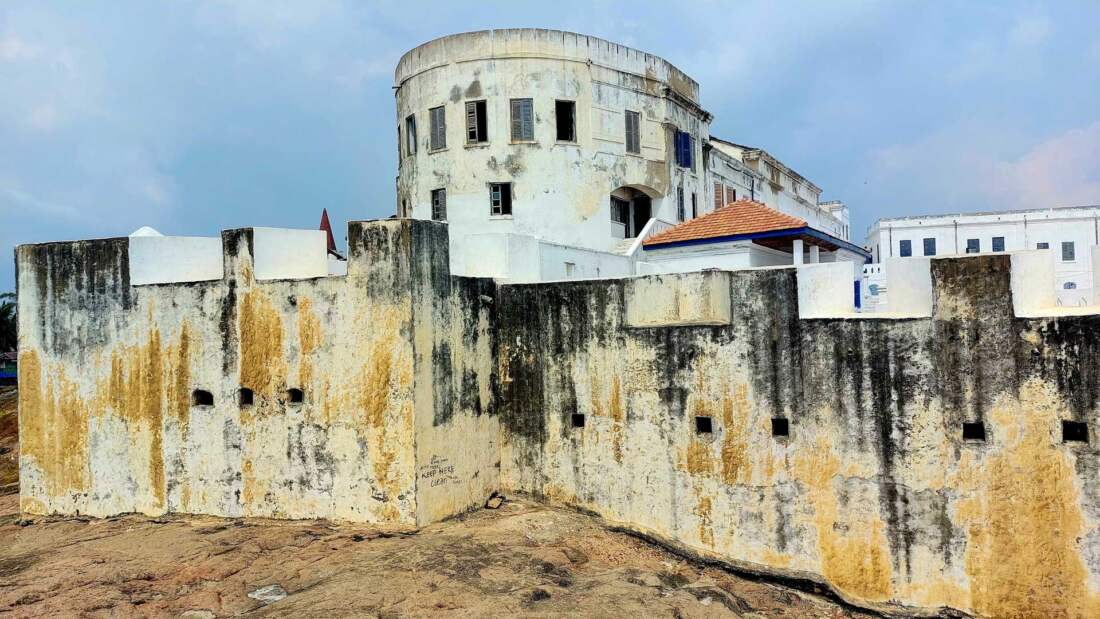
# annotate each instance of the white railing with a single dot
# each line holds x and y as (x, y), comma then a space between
(653, 226)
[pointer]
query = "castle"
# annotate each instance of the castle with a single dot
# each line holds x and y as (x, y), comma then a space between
(944, 458)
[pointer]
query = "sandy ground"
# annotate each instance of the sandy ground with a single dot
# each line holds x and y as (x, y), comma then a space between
(520, 559)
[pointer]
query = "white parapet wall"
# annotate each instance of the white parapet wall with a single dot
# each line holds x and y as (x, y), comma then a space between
(1032, 280)
(909, 282)
(284, 253)
(700, 298)
(827, 290)
(174, 259)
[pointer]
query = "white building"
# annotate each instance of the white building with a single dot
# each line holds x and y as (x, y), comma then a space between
(553, 155)
(1069, 233)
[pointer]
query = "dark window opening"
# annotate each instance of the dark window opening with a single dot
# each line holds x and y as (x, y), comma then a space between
(1069, 253)
(202, 398)
(477, 122)
(685, 149)
(410, 135)
(295, 396)
(1075, 431)
(438, 119)
(973, 431)
(998, 243)
(1042, 246)
(694, 206)
(245, 397)
(577, 420)
(439, 204)
(523, 120)
(929, 247)
(565, 117)
(680, 203)
(905, 249)
(1069, 286)
(633, 132)
(703, 425)
(500, 198)
(973, 246)
(781, 427)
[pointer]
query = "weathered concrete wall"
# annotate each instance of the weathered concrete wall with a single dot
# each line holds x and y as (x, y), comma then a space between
(874, 492)
(383, 358)
(423, 392)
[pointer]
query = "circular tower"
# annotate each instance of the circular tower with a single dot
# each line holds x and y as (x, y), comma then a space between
(558, 136)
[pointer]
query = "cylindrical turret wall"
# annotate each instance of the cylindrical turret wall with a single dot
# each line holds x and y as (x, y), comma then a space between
(554, 116)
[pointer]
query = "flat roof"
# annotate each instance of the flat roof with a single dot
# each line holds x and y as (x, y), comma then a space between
(986, 213)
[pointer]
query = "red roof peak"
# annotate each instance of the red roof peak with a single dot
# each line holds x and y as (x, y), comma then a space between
(327, 228)
(734, 219)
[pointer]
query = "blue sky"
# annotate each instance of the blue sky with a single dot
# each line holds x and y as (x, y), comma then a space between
(195, 116)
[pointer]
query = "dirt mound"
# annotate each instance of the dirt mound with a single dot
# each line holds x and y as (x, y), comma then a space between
(521, 559)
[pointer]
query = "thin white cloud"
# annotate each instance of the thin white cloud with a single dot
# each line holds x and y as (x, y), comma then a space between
(1061, 171)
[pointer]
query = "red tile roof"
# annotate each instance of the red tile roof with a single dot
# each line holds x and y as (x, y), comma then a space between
(736, 218)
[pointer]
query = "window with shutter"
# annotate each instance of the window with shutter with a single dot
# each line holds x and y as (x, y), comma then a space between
(680, 203)
(439, 204)
(500, 198)
(410, 135)
(438, 119)
(633, 132)
(523, 120)
(684, 150)
(731, 194)
(477, 126)
(719, 199)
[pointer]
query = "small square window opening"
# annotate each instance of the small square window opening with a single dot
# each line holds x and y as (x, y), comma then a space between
(200, 397)
(295, 396)
(973, 431)
(781, 427)
(577, 420)
(1074, 431)
(245, 397)
(703, 425)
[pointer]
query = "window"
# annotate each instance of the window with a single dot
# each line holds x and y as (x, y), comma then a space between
(719, 199)
(620, 211)
(794, 186)
(477, 123)
(905, 248)
(1069, 286)
(685, 150)
(500, 198)
(973, 246)
(1074, 431)
(523, 120)
(410, 135)
(694, 206)
(781, 427)
(633, 132)
(1042, 246)
(439, 204)
(680, 203)
(929, 247)
(295, 396)
(245, 398)
(570, 269)
(202, 398)
(577, 420)
(1068, 253)
(565, 113)
(998, 243)
(973, 431)
(731, 195)
(773, 173)
(703, 425)
(438, 120)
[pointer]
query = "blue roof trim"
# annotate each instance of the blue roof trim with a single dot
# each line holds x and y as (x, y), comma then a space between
(771, 234)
